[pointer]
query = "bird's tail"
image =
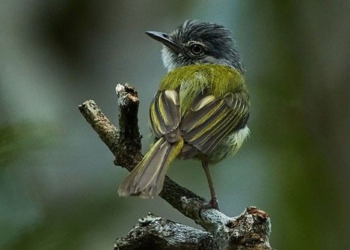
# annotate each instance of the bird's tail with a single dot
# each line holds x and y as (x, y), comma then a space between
(147, 178)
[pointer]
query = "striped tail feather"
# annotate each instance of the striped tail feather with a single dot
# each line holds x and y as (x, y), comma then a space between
(147, 178)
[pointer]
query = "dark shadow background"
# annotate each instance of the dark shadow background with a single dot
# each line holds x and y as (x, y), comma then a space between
(58, 184)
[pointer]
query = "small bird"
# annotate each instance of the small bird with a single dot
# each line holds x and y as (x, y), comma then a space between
(200, 110)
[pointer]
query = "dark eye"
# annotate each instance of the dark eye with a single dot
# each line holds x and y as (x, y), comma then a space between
(197, 49)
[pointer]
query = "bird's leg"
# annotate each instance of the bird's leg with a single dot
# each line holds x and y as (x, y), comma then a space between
(213, 203)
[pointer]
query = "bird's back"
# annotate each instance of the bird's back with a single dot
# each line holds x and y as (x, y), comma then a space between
(206, 105)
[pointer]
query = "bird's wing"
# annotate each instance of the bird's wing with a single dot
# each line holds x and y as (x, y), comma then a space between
(165, 115)
(211, 119)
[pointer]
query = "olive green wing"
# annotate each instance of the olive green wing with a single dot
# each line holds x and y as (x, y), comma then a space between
(165, 115)
(207, 122)
(211, 119)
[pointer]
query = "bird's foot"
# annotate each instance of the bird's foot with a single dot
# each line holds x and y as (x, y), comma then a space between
(212, 204)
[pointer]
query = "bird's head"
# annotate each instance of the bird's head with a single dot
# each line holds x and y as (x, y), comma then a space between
(197, 42)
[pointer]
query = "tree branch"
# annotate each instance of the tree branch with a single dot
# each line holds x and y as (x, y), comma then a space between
(158, 233)
(250, 230)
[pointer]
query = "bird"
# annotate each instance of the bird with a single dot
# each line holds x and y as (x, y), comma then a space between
(200, 110)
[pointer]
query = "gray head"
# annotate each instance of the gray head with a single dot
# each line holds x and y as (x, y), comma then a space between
(197, 42)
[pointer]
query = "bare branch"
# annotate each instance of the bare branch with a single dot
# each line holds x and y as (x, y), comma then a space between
(158, 233)
(248, 231)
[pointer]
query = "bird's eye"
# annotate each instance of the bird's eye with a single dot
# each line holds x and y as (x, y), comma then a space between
(197, 49)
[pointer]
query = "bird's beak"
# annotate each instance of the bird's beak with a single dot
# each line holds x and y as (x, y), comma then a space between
(164, 38)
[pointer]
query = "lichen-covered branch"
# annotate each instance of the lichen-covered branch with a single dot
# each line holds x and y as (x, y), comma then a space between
(250, 230)
(158, 233)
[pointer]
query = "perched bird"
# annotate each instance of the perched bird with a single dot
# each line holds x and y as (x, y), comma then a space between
(200, 110)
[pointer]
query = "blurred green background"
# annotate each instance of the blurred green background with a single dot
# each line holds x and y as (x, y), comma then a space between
(58, 184)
